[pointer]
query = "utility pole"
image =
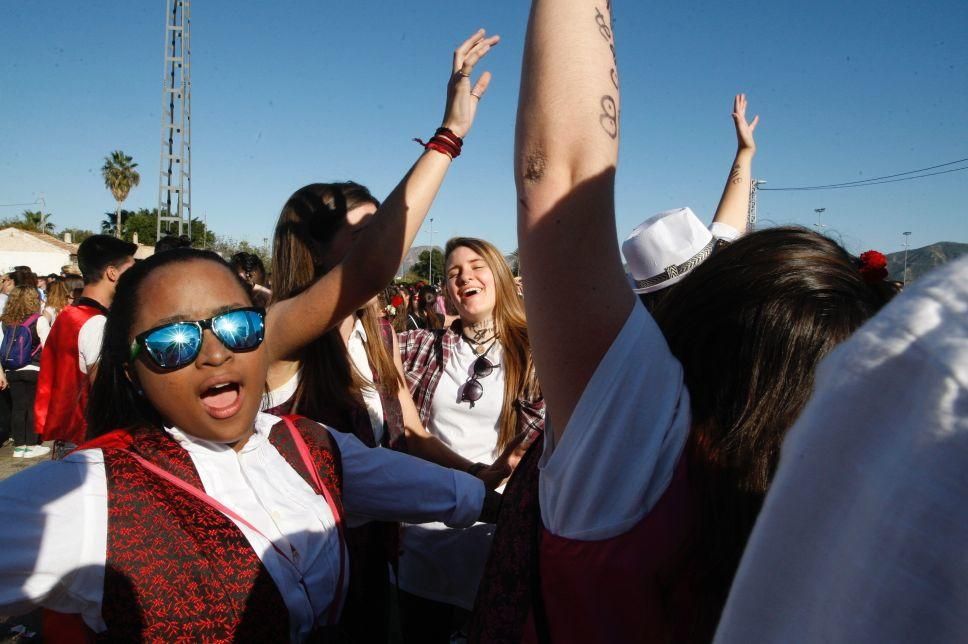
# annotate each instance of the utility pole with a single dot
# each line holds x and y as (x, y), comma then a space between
(751, 213)
(819, 223)
(43, 213)
(430, 255)
(175, 177)
(907, 238)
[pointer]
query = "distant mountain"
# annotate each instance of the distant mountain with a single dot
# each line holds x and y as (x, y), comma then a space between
(921, 261)
(411, 259)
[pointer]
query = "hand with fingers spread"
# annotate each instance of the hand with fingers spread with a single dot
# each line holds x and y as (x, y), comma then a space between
(462, 96)
(744, 130)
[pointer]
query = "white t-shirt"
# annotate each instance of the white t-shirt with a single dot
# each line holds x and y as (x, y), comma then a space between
(863, 536)
(618, 454)
(436, 562)
(54, 532)
(89, 342)
(44, 323)
(281, 394)
(356, 348)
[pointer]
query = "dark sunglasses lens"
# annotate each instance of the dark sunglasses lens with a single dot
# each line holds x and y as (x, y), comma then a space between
(239, 330)
(472, 391)
(483, 367)
(174, 345)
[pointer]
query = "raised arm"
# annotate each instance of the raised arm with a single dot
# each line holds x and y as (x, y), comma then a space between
(380, 248)
(566, 151)
(735, 202)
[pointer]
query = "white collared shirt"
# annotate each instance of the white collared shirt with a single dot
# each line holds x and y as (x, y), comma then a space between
(356, 348)
(55, 516)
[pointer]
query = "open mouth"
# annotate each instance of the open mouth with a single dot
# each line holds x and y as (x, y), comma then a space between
(222, 400)
(471, 292)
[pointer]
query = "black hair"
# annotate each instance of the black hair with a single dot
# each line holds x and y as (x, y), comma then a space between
(98, 252)
(115, 402)
(250, 266)
(749, 326)
(23, 276)
(171, 242)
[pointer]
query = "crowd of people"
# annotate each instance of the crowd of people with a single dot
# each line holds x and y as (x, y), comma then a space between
(300, 452)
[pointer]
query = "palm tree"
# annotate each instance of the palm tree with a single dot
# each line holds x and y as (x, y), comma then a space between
(36, 220)
(120, 177)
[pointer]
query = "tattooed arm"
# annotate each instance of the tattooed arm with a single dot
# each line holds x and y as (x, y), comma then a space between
(566, 151)
(735, 202)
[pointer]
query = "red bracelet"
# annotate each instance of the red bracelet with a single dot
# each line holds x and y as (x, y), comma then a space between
(445, 142)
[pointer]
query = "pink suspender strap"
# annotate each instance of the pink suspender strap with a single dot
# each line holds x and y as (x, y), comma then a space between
(310, 466)
(232, 514)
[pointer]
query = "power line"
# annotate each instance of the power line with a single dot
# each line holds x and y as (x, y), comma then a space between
(10, 205)
(872, 182)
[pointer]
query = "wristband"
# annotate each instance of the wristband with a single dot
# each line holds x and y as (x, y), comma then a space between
(445, 142)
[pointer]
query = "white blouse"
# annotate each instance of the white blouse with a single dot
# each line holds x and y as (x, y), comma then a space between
(55, 515)
(438, 563)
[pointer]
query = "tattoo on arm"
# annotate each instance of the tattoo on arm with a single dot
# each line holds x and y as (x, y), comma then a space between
(609, 116)
(736, 175)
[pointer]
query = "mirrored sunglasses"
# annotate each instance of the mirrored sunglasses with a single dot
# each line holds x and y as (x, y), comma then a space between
(172, 346)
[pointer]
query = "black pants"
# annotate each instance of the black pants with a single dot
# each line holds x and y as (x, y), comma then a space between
(23, 388)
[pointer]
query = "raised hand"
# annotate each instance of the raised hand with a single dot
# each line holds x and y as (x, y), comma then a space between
(744, 130)
(462, 97)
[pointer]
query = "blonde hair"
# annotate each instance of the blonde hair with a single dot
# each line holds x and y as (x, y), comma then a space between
(23, 302)
(511, 327)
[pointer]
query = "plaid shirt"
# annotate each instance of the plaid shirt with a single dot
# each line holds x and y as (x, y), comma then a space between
(424, 354)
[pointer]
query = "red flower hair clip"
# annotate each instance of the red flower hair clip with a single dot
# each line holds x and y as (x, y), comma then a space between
(396, 300)
(873, 266)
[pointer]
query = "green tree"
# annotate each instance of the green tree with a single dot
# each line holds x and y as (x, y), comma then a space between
(514, 262)
(144, 222)
(36, 220)
(227, 246)
(120, 177)
(425, 261)
(109, 225)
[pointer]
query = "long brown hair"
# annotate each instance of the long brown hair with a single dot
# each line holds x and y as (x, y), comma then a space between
(58, 295)
(21, 304)
(750, 326)
(307, 224)
(511, 327)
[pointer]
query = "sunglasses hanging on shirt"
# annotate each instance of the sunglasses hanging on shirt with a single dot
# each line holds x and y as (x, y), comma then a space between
(472, 390)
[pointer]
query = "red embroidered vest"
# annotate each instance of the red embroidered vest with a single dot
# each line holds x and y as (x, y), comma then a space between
(177, 569)
(539, 587)
(61, 385)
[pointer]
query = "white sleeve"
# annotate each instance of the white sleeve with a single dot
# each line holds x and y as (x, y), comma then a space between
(54, 536)
(89, 342)
(623, 441)
(724, 231)
(43, 329)
(381, 484)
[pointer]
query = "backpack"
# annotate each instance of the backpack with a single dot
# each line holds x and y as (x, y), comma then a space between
(17, 349)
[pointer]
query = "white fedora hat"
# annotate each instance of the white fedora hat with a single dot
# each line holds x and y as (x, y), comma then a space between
(665, 247)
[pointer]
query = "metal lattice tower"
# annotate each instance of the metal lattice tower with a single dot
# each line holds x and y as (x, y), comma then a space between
(175, 180)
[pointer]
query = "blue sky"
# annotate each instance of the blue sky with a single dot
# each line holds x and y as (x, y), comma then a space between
(294, 91)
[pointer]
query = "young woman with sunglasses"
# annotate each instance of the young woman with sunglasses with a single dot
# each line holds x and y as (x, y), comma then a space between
(190, 515)
(475, 387)
(666, 429)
